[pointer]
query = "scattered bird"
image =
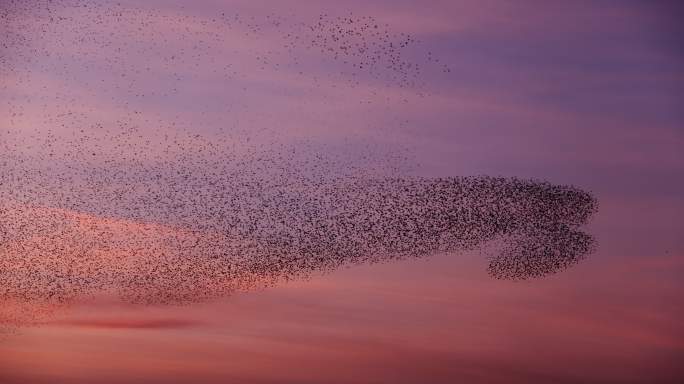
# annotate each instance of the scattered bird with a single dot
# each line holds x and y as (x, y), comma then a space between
(159, 212)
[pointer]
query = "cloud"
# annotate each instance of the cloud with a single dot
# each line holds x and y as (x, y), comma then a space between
(127, 323)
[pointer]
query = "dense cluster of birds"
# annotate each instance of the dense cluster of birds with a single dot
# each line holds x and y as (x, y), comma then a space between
(170, 215)
(170, 225)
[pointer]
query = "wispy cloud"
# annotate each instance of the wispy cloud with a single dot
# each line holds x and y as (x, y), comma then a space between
(127, 323)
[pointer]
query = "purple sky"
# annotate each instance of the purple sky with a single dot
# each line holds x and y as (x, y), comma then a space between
(582, 93)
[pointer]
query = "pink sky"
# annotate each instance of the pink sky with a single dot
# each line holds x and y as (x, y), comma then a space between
(582, 93)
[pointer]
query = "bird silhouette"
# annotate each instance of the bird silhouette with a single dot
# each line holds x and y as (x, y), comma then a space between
(158, 210)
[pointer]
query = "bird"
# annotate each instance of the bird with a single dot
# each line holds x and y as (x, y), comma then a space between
(162, 209)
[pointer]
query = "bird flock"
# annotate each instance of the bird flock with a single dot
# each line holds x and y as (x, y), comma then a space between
(156, 211)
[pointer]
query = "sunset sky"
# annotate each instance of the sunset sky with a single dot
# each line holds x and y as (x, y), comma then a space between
(582, 93)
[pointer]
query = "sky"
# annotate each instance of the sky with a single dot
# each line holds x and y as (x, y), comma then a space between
(582, 93)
